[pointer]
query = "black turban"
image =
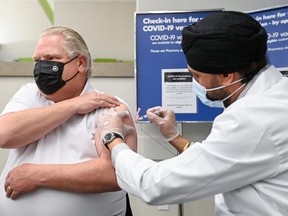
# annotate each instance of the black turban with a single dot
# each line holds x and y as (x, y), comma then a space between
(224, 42)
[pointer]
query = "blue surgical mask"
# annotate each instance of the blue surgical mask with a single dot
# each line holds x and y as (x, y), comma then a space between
(201, 92)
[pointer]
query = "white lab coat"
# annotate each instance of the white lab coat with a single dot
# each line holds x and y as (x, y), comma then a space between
(245, 157)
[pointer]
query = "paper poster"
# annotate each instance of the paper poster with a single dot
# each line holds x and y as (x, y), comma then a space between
(177, 91)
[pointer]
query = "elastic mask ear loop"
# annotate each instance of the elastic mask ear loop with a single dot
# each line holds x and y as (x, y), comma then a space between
(71, 59)
(220, 87)
(74, 74)
(234, 92)
(71, 77)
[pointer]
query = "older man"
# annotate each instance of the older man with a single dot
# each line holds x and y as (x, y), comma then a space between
(48, 127)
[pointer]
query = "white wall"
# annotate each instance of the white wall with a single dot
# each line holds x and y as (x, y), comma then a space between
(106, 26)
(20, 22)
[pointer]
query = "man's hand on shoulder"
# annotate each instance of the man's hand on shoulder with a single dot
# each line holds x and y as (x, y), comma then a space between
(91, 101)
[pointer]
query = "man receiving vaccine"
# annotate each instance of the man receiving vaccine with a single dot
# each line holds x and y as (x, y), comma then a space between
(53, 167)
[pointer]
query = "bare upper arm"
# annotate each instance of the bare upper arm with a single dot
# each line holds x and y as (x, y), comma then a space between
(130, 139)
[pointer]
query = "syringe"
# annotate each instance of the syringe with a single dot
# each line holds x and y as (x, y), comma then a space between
(145, 116)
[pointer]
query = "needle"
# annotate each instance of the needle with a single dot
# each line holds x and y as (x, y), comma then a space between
(145, 116)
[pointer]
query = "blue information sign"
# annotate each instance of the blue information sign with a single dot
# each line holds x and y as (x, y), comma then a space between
(160, 63)
(158, 49)
(275, 22)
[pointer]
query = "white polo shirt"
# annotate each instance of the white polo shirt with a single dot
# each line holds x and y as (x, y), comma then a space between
(67, 144)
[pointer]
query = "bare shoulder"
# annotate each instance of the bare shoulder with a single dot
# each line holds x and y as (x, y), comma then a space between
(121, 107)
(130, 139)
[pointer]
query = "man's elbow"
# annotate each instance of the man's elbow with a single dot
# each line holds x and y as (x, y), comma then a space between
(4, 139)
(5, 143)
(7, 140)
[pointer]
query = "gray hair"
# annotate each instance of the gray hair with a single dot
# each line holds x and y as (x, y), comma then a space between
(74, 44)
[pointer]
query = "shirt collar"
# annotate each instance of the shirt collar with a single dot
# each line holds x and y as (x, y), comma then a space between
(251, 82)
(88, 88)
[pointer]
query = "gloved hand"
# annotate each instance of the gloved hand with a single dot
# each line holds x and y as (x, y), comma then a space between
(111, 121)
(165, 120)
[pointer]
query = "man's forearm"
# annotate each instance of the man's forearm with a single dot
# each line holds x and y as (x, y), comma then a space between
(93, 176)
(18, 129)
(179, 143)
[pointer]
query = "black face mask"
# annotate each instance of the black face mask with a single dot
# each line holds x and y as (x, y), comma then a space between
(48, 75)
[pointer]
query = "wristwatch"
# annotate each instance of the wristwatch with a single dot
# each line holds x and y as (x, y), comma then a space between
(109, 137)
